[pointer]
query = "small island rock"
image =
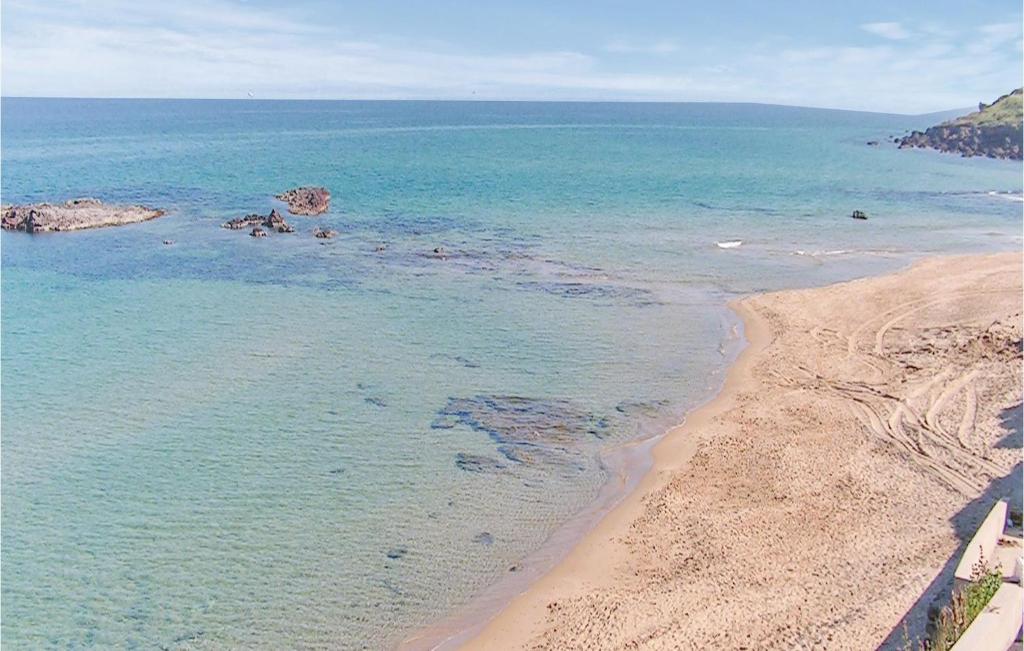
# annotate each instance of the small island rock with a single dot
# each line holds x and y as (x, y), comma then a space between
(73, 215)
(306, 200)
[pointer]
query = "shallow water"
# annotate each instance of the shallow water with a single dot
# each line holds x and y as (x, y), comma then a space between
(288, 442)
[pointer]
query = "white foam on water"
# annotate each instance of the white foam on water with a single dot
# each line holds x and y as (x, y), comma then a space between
(1009, 196)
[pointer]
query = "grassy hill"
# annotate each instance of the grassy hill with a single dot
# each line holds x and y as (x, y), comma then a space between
(1007, 110)
(994, 130)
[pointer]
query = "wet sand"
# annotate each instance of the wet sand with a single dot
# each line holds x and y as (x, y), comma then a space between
(816, 502)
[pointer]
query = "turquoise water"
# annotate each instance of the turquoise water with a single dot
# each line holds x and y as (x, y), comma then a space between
(284, 442)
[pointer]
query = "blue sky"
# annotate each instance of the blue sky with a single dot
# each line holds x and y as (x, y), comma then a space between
(907, 57)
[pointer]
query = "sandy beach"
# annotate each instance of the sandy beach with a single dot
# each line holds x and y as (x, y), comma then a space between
(817, 502)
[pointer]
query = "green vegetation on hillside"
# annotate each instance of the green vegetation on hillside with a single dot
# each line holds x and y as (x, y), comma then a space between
(1007, 110)
(994, 130)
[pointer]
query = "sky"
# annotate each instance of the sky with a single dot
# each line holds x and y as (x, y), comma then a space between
(910, 56)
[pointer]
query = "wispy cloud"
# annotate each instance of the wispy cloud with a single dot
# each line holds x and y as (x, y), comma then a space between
(625, 46)
(891, 31)
(215, 48)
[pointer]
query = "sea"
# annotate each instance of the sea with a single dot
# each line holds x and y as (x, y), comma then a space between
(211, 440)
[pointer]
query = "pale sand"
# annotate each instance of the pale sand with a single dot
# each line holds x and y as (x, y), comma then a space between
(824, 491)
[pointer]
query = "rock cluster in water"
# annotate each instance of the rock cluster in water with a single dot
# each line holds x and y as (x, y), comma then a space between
(306, 200)
(73, 215)
(274, 221)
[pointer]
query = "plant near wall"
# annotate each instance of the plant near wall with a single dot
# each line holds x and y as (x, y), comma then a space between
(966, 604)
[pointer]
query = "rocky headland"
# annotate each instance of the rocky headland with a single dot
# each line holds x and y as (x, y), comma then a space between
(73, 215)
(994, 130)
(306, 200)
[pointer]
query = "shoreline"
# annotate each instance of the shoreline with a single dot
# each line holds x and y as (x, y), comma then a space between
(668, 450)
(577, 575)
(628, 464)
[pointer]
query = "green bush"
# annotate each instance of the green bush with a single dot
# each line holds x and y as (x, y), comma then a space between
(966, 604)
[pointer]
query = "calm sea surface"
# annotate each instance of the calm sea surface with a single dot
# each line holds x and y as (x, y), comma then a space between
(285, 442)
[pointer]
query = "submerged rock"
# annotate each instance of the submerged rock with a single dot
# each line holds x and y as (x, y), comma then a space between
(324, 233)
(397, 552)
(477, 463)
(484, 538)
(73, 215)
(533, 432)
(529, 432)
(638, 408)
(515, 420)
(591, 290)
(306, 200)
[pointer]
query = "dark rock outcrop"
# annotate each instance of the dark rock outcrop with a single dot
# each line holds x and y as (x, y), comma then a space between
(324, 233)
(994, 131)
(239, 223)
(1003, 141)
(73, 215)
(306, 200)
(274, 221)
(858, 214)
(258, 232)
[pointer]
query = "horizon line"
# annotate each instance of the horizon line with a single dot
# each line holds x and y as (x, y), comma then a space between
(476, 100)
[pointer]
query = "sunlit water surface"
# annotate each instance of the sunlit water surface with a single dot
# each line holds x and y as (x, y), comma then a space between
(283, 442)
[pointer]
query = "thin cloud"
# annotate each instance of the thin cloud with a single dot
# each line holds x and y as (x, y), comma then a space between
(188, 48)
(621, 46)
(891, 31)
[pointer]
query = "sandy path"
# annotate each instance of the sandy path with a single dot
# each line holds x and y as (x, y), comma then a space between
(815, 500)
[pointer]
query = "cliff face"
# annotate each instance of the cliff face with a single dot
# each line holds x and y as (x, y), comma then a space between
(993, 131)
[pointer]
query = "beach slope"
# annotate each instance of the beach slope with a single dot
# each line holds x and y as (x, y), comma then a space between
(816, 503)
